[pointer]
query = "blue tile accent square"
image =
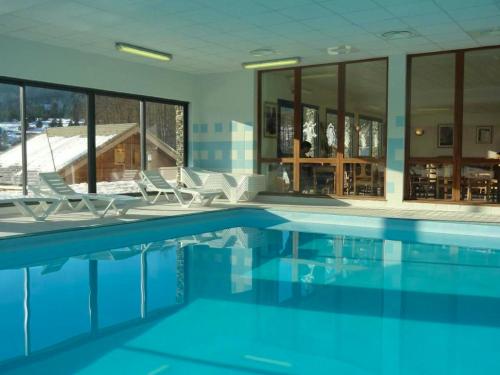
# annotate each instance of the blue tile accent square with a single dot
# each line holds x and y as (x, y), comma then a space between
(203, 128)
(218, 127)
(196, 128)
(390, 187)
(400, 121)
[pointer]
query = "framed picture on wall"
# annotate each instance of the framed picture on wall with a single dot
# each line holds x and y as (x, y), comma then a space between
(270, 119)
(484, 134)
(445, 135)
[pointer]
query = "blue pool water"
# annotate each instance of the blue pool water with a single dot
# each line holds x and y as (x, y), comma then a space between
(253, 299)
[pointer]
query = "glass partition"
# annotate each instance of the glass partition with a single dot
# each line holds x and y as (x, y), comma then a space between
(118, 151)
(354, 93)
(162, 120)
(317, 178)
(431, 181)
(480, 183)
(432, 106)
(277, 119)
(364, 179)
(10, 140)
(448, 106)
(57, 135)
(319, 111)
(365, 97)
(279, 177)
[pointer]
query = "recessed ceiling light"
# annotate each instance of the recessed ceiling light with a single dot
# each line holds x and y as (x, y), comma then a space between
(398, 34)
(343, 49)
(261, 52)
(271, 63)
(144, 52)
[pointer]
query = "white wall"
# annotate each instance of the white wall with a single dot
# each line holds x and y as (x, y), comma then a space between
(222, 134)
(43, 62)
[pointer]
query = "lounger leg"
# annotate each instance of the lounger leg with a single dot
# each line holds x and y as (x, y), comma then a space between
(108, 207)
(26, 211)
(208, 201)
(87, 202)
(157, 197)
(143, 191)
(178, 195)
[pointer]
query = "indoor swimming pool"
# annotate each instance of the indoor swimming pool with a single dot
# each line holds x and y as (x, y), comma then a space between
(270, 294)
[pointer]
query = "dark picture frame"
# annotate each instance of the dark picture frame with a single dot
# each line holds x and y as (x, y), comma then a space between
(484, 135)
(445, 135)
(270, 120)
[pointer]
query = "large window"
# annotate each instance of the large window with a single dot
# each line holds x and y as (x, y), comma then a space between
(430, 173)
(163, 138)
(337, 144)
(118, 149)
(454, 132)
(57, 126)
(366, 103)
(56, 134)
(10, 139)
(277, 130)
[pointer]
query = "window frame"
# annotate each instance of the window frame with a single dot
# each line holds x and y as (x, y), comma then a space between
(339, 160)
(456, 160)
(91, 93)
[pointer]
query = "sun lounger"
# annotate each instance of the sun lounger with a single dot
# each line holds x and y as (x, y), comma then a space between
(52, 185)
(235, 187)
(39, 209)
(153, 181)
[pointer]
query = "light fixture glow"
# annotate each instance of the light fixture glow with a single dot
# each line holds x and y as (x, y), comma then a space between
(419, 131)
(144, 52)
(343, 49)
(271, 63)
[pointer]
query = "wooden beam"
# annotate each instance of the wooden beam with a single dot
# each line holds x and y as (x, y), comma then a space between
(340, 129)
(458, 128)
(297, 132)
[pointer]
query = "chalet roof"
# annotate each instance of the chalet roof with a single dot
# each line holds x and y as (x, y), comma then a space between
(58, 148)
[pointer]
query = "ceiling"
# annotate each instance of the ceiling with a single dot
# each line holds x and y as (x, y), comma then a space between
(207, 36)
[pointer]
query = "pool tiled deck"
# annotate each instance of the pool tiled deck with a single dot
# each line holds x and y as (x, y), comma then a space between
(13, 224)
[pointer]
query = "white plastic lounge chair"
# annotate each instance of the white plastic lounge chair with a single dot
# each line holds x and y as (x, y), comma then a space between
(154, 181)
(235, 187)
(39, 212)
(52, 185)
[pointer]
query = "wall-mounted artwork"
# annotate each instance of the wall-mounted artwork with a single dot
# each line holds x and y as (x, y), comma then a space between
(270, 119)
(484, 134)
(445, 135)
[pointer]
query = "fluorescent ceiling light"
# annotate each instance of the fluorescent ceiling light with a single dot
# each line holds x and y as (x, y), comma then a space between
(144, 52)
(271, 63)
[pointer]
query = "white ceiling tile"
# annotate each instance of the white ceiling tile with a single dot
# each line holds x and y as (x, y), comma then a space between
(305, 12)
(480, 23)
(483, 11)
(217, 35)
(413, 8)
(367, 16)
(348, 6)
(385, 25)
(450, 27)
(427, 20)
(458, 4)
